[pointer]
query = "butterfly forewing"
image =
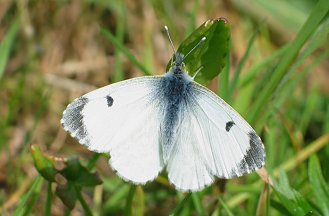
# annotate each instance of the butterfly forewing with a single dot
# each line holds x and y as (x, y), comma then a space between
(229, 145)
(121, 119)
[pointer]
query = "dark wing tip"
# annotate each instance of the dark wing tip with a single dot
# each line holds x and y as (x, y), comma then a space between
(72, 120)
(254, 158)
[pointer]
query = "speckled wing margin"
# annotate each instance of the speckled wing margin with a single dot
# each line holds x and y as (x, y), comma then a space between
(121, 119)
(214, 141)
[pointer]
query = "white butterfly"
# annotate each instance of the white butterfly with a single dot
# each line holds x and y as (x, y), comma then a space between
(149, 123)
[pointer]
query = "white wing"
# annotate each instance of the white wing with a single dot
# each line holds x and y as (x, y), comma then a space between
(121, 119)
(186, 168)
(215, 141)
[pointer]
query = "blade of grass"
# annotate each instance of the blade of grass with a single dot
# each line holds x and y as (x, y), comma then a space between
(35, 185)
(318, 40)
(290, 85)
(30, 206)
(147, 54)
(118, 69)
(41, 109)
(49, 199)
(224, 81)
(318, 185)
(117, 197)
(318, 13)
(125, 51)
(128, 208)
(83, 203)
(243, 62)
(92, 162)
(138, 202)
(326, 127)
(12, 107)
(225, 207)
(197, 204)
(253, 71)
(180, 206)
(6, 45)
(192, 21)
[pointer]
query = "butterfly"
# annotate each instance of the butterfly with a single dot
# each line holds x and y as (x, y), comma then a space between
(170, 122)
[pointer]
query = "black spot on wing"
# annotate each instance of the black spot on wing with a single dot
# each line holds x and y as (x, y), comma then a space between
(255, 155)
(72, 120)
(109, 100)
(229, 125)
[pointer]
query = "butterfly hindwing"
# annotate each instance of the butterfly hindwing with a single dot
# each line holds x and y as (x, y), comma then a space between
(186, 168)
(121, 119)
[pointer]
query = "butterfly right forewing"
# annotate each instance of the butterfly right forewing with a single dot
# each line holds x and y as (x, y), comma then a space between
(213, 140)
(122, 119)
(228, 144)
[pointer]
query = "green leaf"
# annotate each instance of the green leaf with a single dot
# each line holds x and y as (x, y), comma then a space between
(318, 185)
(6, 45)
(67, 194)
(79, 174)
(280, 207)
(292, 200)
(45, 166)
(72, 170)
(211, 55)
(88, 179)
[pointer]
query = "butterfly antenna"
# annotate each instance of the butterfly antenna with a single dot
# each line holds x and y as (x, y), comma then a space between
(171, 43)
(196, 46)
(196, 73)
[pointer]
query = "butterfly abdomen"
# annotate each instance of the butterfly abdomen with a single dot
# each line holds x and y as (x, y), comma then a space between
(175, 88)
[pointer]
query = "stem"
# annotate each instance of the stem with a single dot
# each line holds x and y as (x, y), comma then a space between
(83, 203)
(48, 201)
(130, 200)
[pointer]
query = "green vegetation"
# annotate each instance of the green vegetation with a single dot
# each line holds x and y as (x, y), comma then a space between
(272, 61)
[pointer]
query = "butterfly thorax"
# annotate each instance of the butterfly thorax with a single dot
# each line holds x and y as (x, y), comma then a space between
(175, 87)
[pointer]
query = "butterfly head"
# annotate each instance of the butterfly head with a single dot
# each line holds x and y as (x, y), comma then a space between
(178, 65)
